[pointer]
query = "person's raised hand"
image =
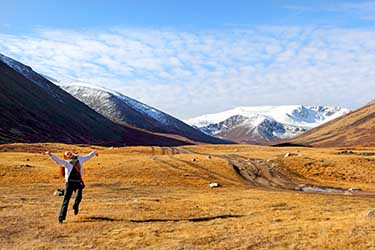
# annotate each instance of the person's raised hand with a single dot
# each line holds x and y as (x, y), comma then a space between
(96, 153)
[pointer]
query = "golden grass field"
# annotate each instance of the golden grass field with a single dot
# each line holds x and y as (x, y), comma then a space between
(159, 198)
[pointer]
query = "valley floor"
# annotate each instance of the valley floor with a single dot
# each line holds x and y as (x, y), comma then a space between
(159, 198)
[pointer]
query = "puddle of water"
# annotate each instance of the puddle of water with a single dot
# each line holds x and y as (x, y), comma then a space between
(320, 189)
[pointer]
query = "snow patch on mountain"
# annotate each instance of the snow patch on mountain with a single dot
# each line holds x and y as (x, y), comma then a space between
(267, 123)
(123, 109)
(24, 70)
(33, 76)
(92, 90)
(309, 116)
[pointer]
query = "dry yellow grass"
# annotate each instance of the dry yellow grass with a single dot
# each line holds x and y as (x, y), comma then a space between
(158, 198)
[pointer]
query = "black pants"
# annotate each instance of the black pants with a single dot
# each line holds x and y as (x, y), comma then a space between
(69, 188)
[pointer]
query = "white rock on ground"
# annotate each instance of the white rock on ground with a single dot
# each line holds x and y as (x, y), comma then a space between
(214, 185)
(59, 192)
(371, 213)
(354, 189)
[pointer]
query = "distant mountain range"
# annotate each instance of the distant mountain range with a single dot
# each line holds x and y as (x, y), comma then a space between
(33, 109)
(265, 124)
(356, 128)
(125, 110)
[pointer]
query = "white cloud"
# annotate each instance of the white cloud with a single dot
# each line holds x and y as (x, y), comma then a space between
(188, 74)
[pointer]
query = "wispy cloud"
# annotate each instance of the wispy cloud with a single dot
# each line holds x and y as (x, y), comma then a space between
(191, 73)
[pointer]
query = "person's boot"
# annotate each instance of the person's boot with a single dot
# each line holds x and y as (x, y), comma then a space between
(76, 210)
(61, 221)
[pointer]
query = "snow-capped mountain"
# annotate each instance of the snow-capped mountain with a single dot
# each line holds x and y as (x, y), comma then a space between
(26, 71)
(265, 124)
(355, 129)
(123, 109)
(113, 106)
(33, 109)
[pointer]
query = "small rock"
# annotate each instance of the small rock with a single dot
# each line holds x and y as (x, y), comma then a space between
(345, 152)
(209, 157)
(354, 189)
(371, 213)
(193, 159)
(24, 166)
(214, 185)
(59, 192)
(286, 155)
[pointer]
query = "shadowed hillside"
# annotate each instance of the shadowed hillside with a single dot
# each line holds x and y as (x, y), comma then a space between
(43, 112)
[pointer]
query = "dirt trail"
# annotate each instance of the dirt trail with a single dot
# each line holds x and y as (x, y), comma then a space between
(256, 172)
(260, 173)
(206, 170)
(170, 151)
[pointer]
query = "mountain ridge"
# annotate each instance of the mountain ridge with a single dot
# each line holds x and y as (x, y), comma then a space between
(123, 109)
(356, 128)
(43, 112)
(265, 124)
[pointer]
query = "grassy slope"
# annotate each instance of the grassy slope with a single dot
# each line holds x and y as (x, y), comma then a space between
(354, 129)
(143, 197)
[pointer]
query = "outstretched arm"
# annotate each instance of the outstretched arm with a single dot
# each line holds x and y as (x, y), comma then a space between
(84, 158)
(56, 159)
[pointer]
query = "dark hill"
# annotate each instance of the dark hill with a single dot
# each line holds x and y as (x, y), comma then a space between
(45, 113)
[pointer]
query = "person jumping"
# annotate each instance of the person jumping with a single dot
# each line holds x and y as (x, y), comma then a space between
(73, 177)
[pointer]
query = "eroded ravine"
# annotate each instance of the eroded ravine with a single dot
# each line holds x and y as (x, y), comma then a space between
(260, 173)
(265, 173)
(255, 172)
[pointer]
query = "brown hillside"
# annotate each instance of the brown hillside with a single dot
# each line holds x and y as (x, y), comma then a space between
(354, 129)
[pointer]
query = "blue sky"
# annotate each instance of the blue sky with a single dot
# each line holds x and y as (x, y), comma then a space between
(194, 57)
(192, 15)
